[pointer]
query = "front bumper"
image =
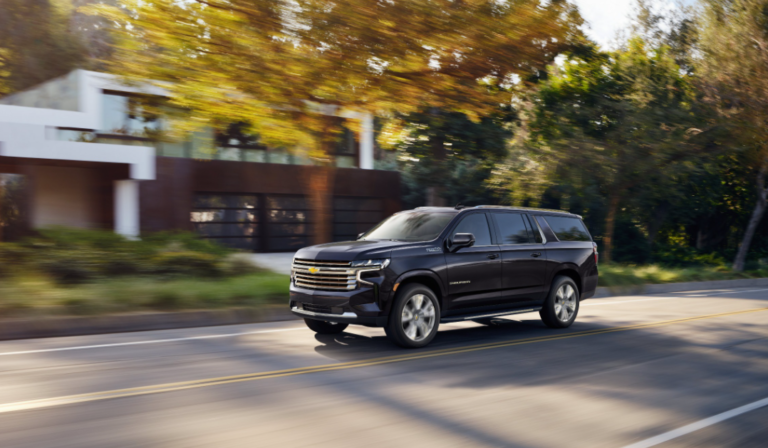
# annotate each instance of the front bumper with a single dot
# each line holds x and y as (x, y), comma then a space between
(358, 306)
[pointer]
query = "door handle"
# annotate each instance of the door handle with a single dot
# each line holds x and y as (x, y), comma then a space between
(536, 254)
(493, 256)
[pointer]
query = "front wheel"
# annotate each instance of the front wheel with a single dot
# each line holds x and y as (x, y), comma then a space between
(414, 318)
(322, 327)
(562, 304)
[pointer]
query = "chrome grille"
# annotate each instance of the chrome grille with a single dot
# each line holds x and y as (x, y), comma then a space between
(327, 275)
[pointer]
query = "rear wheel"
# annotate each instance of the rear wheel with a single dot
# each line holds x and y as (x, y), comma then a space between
(414, 318)
(322, 327)
(562, 304)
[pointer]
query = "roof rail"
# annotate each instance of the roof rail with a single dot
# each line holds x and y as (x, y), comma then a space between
(499, 207)
(509, 207)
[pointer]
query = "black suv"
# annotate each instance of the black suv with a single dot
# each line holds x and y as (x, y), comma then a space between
(421, 267)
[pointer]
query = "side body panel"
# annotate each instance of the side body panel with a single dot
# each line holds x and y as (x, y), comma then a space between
(423, 261)
(474, 277)
(571, 256)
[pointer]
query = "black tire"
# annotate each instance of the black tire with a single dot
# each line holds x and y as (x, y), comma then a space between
(396, 327)
(322, 327)
(561, 311)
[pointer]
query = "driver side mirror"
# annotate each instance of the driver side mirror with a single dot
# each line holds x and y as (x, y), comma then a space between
(461, 240)
(360, 235)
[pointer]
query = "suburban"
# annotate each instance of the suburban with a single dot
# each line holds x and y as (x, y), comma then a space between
(432, 265)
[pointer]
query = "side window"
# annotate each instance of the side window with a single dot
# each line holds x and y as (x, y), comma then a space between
(513, 228)
(534, 229)
(568, 229)
(476, 224)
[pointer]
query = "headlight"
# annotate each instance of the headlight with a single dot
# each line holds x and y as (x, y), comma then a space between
(380, 263)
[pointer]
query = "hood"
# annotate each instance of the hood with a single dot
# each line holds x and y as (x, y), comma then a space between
(351, 250)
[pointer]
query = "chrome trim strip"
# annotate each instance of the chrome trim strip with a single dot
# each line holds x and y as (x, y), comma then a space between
(501, 314)
(536, 220)
(302, 268)
(449, 319)
(299, 284)
(326, 276)
(346, 314)
(360, 272)
(343, 283)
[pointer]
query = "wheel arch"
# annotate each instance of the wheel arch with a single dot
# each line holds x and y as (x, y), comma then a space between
(425, 277)
(573, 273)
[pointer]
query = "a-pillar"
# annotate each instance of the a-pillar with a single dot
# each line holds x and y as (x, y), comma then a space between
(366, 142)
(127, 208)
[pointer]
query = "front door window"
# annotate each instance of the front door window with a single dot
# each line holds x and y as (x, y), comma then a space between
(477, 225)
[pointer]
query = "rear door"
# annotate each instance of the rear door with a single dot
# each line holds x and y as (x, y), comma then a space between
(474, 273)
(523, 258)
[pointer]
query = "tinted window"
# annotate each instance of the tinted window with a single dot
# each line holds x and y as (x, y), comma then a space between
(568, 229)
(410, 226)
(228, 220)
(513, 228)
(477, 225)
(289, 222)
(225, 201)
(534, 229)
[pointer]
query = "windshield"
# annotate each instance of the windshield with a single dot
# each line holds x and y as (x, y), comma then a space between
(410, 226)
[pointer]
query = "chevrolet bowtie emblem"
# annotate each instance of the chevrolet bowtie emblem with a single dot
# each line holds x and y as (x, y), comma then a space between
(314, 270)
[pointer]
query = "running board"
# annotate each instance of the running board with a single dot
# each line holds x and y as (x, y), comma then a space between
(486, 315)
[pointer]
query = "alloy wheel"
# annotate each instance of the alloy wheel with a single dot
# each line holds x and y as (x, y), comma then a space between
(418, 318)
(565, 303)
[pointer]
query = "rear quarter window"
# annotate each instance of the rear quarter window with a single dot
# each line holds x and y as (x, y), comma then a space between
(568, 229)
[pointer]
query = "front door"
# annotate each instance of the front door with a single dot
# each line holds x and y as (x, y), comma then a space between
(523, 259)
(474, 273)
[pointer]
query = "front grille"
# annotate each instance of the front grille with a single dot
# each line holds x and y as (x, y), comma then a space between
(318, 308)
(325, 275)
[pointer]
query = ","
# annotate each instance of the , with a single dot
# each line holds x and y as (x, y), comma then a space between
(421, 267)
